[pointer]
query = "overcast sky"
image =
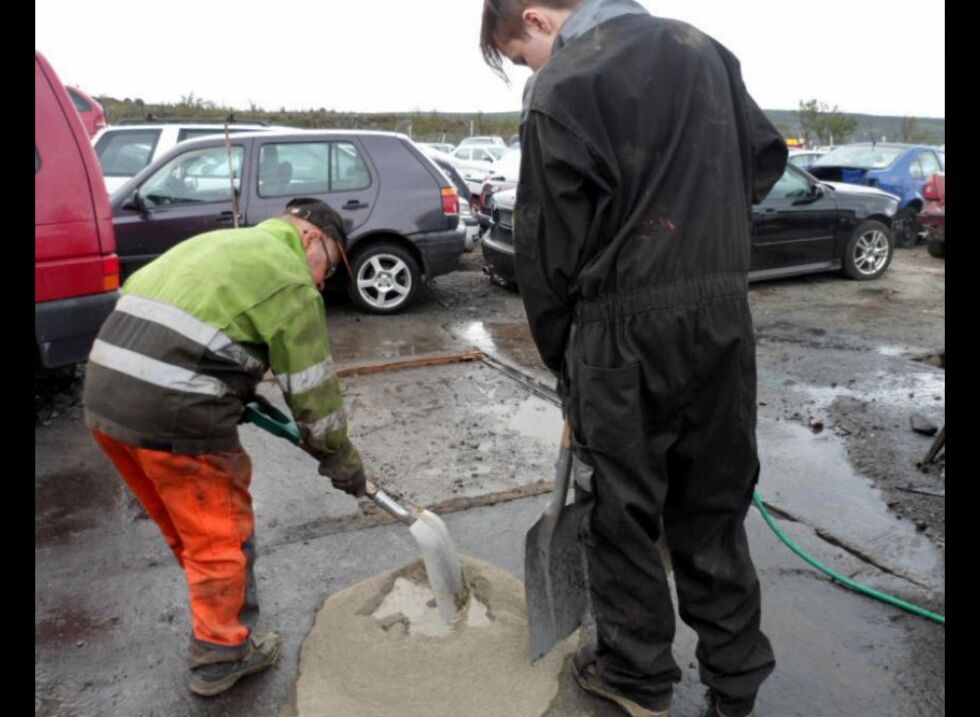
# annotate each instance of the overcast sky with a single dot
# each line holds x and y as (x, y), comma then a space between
(867, 56)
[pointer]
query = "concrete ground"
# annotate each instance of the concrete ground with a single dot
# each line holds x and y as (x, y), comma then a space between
(838, 379)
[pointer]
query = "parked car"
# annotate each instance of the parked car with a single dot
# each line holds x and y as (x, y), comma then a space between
(504, 174)
(899, 169)
(933, 215)
(803, 158)
(124, 150)
(403, 212)
(467, 207)
(76, 270)
(473, 163)
(484, 141)
(803, 226)
(91, 112)
(438, 146)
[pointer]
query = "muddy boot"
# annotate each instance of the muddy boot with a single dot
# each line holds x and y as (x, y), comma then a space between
(213, 678)
(584, 669)
(713, 710)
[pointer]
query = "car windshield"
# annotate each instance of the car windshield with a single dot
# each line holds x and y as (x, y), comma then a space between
(861, 157)
(496, 151)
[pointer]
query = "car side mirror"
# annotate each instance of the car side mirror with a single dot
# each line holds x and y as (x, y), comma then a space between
(135, 202)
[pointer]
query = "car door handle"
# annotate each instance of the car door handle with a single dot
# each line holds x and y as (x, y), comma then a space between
(355, 204)
(227, 218)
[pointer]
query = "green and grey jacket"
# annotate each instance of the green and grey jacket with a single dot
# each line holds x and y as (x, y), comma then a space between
(195, 331)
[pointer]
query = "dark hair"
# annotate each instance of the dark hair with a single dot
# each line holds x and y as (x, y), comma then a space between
(502, 23)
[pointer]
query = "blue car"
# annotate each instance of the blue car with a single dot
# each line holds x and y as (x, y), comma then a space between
(899, 169)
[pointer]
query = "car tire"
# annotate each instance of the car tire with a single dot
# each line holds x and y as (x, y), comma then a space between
(908, 237)
(869, 251)
(937, 249)
(386, 278)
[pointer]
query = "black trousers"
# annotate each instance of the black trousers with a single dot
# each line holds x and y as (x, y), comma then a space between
(663, 405)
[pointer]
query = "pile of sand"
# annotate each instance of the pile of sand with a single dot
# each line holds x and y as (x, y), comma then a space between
(379, 649)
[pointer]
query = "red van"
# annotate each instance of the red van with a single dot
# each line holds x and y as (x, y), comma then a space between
(76, 270)
(91, 112)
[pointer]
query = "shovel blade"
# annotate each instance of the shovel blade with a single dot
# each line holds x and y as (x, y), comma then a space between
(442, 564)
(555, 578)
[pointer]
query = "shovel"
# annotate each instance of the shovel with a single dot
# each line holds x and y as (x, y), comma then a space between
(442, 564)
(554, 568)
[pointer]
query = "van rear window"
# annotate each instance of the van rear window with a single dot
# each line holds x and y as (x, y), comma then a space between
(125, 153)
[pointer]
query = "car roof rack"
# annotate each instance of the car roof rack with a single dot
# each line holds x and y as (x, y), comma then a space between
(150, 118)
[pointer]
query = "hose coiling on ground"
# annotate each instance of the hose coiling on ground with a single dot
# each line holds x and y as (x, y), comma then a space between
(843, 580)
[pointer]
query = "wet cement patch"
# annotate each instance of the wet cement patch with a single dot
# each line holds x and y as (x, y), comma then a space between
(459, 430)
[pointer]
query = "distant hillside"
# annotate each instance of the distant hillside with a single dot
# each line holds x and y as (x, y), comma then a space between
(876, 126)
(449, 126)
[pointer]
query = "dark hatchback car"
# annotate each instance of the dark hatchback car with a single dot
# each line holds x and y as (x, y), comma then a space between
(802, 226)
(403, 212)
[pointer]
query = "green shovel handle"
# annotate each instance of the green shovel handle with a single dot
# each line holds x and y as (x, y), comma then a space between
(271, 419)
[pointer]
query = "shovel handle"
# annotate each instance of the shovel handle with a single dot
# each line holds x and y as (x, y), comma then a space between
(566, 436)
(270, 419)
(388, 504)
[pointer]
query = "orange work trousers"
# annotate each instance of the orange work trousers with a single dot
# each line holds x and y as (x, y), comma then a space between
(204, 510)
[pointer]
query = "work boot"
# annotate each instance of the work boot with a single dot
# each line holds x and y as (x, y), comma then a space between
(584, 669)
(713, 710)
(263, 650)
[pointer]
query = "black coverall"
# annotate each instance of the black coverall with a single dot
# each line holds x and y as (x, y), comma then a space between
(642, 155)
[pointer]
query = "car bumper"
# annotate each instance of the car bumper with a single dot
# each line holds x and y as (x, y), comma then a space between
(441, 250)
(499, 256)
(933, 220)
(65, 329)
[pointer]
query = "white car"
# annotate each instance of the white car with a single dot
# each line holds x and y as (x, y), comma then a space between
(445, 148)
(504, 174)
(483, 141)
(123, 150)
(475, 163)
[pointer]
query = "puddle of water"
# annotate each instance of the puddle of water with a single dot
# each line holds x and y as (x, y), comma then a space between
(810, 477)
(532, 418)
(510, 340)
(887, 389)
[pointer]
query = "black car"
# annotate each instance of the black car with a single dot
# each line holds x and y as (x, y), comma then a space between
(802, 226)
(403, 212)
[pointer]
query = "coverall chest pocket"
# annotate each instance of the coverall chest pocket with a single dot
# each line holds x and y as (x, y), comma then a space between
(527, 227)
(609, 412)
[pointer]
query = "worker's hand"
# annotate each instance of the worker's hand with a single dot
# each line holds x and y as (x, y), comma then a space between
(353, 485)
(345, 471)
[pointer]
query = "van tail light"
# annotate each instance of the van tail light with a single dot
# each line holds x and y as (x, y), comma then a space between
(450, 201)
(930, 191)
(110, 272)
